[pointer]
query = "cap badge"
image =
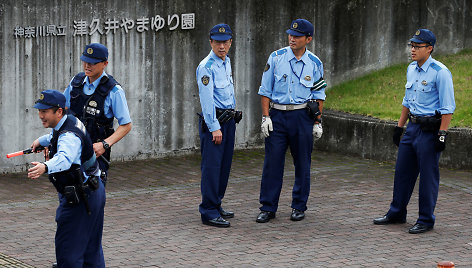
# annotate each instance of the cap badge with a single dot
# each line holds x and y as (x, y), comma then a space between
(295, 25)
(205, 80)
(417, 32)
(93, 103)
(41, 97)
(424, 83)
(89, 50)
(308, 78)
(222, 30)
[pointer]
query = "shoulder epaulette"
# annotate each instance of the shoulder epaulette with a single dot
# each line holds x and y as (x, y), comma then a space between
(315, 59)
(279, 52)
(209, 63)
(436, 67)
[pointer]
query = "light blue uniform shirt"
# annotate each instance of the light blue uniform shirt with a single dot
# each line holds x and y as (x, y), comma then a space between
(69, 149)
(215, 87)
(115, 103)
(429, 88)
(287, 80)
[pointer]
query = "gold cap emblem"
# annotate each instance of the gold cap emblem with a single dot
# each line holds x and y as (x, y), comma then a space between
(417, 32)
(89, 50)
(41, 97)
(295, 25)
(93, 104)
(222, 30)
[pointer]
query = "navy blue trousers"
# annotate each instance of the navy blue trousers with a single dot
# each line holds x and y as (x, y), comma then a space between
(79, 235)
(292, 129)
(215, 166)
(416, 155)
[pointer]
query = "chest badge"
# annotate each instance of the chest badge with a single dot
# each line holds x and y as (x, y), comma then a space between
(424, 83)
(205, 80)
(93, 104)
(308, 78)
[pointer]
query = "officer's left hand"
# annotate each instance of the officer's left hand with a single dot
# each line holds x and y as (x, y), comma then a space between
(37, 170)
(98, 149)
(440, 143)
(317, 131)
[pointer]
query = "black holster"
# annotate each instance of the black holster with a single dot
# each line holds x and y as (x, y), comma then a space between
(70, 184)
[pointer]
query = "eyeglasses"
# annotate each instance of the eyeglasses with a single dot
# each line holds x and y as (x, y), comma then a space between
(415, 47)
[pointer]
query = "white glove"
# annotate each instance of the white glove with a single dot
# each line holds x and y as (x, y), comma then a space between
(266, 126)
(317, 131)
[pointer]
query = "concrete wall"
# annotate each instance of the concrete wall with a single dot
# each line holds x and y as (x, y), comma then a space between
(157, 68)
(369, 137)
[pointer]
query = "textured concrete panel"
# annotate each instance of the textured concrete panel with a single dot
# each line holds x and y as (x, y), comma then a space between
(157, 69)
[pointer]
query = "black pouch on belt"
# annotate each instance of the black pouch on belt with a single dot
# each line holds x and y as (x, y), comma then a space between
(70, 194)
(93, 183)
(238, 115)
(313, 109)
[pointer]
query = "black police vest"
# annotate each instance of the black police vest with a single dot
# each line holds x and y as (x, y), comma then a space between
(90, 108)
(87, 157)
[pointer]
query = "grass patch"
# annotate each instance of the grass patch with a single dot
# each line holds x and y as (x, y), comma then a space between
(380, 94)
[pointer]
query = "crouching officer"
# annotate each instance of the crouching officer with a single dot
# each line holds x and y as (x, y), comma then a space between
(74, 171)
(217, 125)
(428, 104)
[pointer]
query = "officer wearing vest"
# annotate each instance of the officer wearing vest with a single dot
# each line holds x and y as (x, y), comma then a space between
(292, 94)
(95, 98)
(74, 171)
(428, 104)
(216, 125)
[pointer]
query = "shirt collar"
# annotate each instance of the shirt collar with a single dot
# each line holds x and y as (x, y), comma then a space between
(61, 122)
(96, 82)
(304, 57)
(426, 64)
(217, 59)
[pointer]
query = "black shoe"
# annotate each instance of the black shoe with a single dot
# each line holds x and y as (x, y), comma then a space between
(54, 265)
(226, 214)
(419, 228)
(297, 215)
(217, 222)
(265, 216)
(386, 220)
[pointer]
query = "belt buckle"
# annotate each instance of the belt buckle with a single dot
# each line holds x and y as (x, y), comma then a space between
(289, 107)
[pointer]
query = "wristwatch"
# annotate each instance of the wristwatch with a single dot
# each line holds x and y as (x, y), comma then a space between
(105, 145)
(46, 167)
(442, 132)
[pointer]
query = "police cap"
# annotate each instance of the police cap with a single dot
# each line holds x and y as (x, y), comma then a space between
(94, 53)
(301, 27)
(221, 32)
(50, 98)
(424, 36)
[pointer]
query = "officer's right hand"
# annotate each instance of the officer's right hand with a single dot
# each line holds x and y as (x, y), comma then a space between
(266, 126)
(35, 145)
(217, 136)
(397, 134)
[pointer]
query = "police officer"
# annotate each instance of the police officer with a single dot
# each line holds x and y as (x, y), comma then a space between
(216, 125)
(429, 105)
(74, 171)
(292, 94)
(95, 97)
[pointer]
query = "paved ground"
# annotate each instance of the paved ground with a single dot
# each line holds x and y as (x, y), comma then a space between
(152, 219)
